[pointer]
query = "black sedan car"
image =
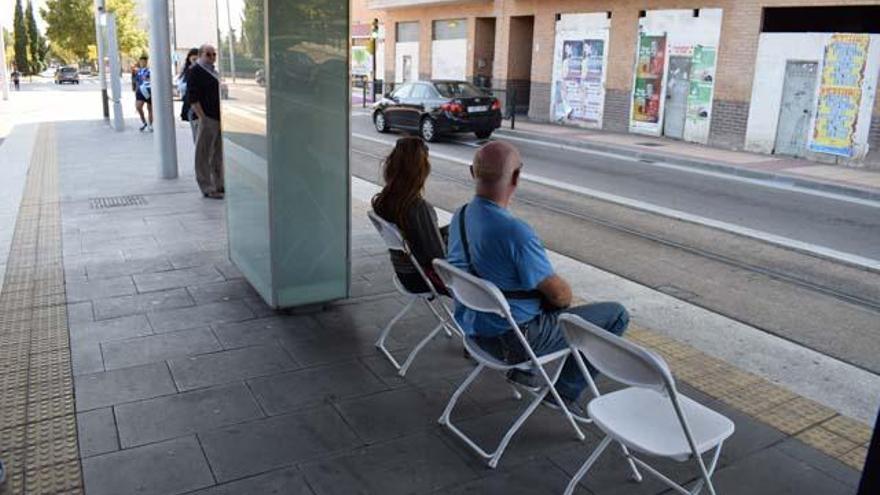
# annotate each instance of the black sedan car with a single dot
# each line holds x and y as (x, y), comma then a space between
(433, 108)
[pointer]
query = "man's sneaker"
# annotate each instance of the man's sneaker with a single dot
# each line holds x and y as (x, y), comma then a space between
(144, 127)
(576, 409)
(149, 127)
(525, 379)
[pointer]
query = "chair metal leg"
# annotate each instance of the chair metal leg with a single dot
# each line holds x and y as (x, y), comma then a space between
(444, 418)
(447, 327)
(380, 343)
(587, 465)
(706, 481)
(422, 343)
(552, 390)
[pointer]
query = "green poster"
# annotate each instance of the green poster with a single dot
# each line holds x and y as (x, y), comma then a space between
(702, 81)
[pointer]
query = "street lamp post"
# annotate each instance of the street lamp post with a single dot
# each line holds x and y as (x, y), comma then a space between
(231, 47)
(160, 87)
(374, 40)
(99, 9)
(115, 71)
(4, 73)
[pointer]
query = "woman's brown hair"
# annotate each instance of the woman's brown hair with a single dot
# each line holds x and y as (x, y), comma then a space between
(405, 171)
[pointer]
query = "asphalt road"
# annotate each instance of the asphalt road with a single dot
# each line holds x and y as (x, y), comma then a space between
(843, 226)
(825, 305)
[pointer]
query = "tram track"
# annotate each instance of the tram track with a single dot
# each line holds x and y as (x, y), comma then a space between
(530, 198)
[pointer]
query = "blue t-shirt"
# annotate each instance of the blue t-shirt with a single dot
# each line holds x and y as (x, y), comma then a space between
(505, 251)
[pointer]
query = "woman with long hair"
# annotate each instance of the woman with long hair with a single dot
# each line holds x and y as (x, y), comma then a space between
(400, 202)
(186, 113)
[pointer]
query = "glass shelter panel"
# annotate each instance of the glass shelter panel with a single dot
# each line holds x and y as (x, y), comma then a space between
(287, 152)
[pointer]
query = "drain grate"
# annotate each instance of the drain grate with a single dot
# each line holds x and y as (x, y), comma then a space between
(651, 145)
(117, 201)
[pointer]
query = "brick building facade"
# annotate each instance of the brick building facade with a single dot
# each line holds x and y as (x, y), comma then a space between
(510, 43)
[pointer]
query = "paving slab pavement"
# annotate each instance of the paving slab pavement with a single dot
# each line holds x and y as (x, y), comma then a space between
(200, 388)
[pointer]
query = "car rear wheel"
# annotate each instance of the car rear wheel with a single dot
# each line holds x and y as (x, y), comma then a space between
(483, 134)
(380, 122)
(427, 130)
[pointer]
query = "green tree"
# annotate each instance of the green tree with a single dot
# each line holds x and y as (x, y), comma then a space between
(252, 25)
(20, 41)
(71, 27)
(36, 63)
(9, 42)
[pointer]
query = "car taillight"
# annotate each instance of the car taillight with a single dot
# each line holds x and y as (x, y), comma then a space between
(496, 104)
(452, 107)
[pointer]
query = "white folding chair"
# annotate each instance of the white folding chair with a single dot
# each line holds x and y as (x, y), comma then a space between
(483, 296)
(650, 416)
(395, 241)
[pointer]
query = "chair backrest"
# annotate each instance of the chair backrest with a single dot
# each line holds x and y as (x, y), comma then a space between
(389, 232)
(616, 357)
(474, 292)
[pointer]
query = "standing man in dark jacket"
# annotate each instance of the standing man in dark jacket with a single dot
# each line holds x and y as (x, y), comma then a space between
(203, 94)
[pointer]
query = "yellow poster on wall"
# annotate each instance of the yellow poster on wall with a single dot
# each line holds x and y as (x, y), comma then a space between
(840, 94)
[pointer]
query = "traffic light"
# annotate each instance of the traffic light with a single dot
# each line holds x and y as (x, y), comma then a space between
(374, 35)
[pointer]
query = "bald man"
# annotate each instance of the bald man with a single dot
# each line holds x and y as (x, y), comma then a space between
(501, 248)
(203, 95)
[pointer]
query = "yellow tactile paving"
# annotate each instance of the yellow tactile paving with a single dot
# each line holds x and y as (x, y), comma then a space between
(37, 424)
(849, 428)
(855, 458)
(837, 436)
(827, 441)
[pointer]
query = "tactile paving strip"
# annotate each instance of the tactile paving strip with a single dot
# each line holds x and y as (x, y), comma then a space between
(810, 422)
(38, 438)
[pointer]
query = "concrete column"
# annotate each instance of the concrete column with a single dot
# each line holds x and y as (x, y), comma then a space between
(160, 89)
(115, 70)
(99, 42)
(4, 72)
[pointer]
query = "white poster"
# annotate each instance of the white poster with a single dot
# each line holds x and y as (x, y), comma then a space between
(578, 95)
(449, 59)
(406, 61)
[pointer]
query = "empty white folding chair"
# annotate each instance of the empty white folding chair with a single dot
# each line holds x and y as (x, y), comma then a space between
(650, 416)
(483, 296)
(395, 241)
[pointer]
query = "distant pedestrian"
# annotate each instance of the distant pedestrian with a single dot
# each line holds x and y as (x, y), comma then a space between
(16, 80)
(203, 93)
(142, 94)
(186, 112)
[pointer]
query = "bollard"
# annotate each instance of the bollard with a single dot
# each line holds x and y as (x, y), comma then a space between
(364, 95)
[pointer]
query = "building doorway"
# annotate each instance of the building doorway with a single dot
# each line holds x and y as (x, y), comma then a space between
(519, 60)
(406, 52)
(484, 51)
(796, 112)
(677, 87)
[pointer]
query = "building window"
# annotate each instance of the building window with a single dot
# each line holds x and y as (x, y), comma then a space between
(450, 29)
(854, 19)
(407, 31)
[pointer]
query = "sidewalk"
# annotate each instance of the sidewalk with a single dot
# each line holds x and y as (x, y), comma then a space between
(846, 180)
(176, 378)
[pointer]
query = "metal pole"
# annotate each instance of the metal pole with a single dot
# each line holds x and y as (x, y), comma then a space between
(4, 73)
(115, 72)
(219, 39)
(160, 89)
(99, 42)
(231, 46)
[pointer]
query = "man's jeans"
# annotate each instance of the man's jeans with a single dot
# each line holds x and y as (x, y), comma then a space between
(545, 337)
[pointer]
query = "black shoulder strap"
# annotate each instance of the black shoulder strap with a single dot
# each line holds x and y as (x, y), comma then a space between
(510, 294)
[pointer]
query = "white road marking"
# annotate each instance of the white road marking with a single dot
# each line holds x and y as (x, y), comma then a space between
(843, 387)
(768, 183)
(787, 242)
(778, 184)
